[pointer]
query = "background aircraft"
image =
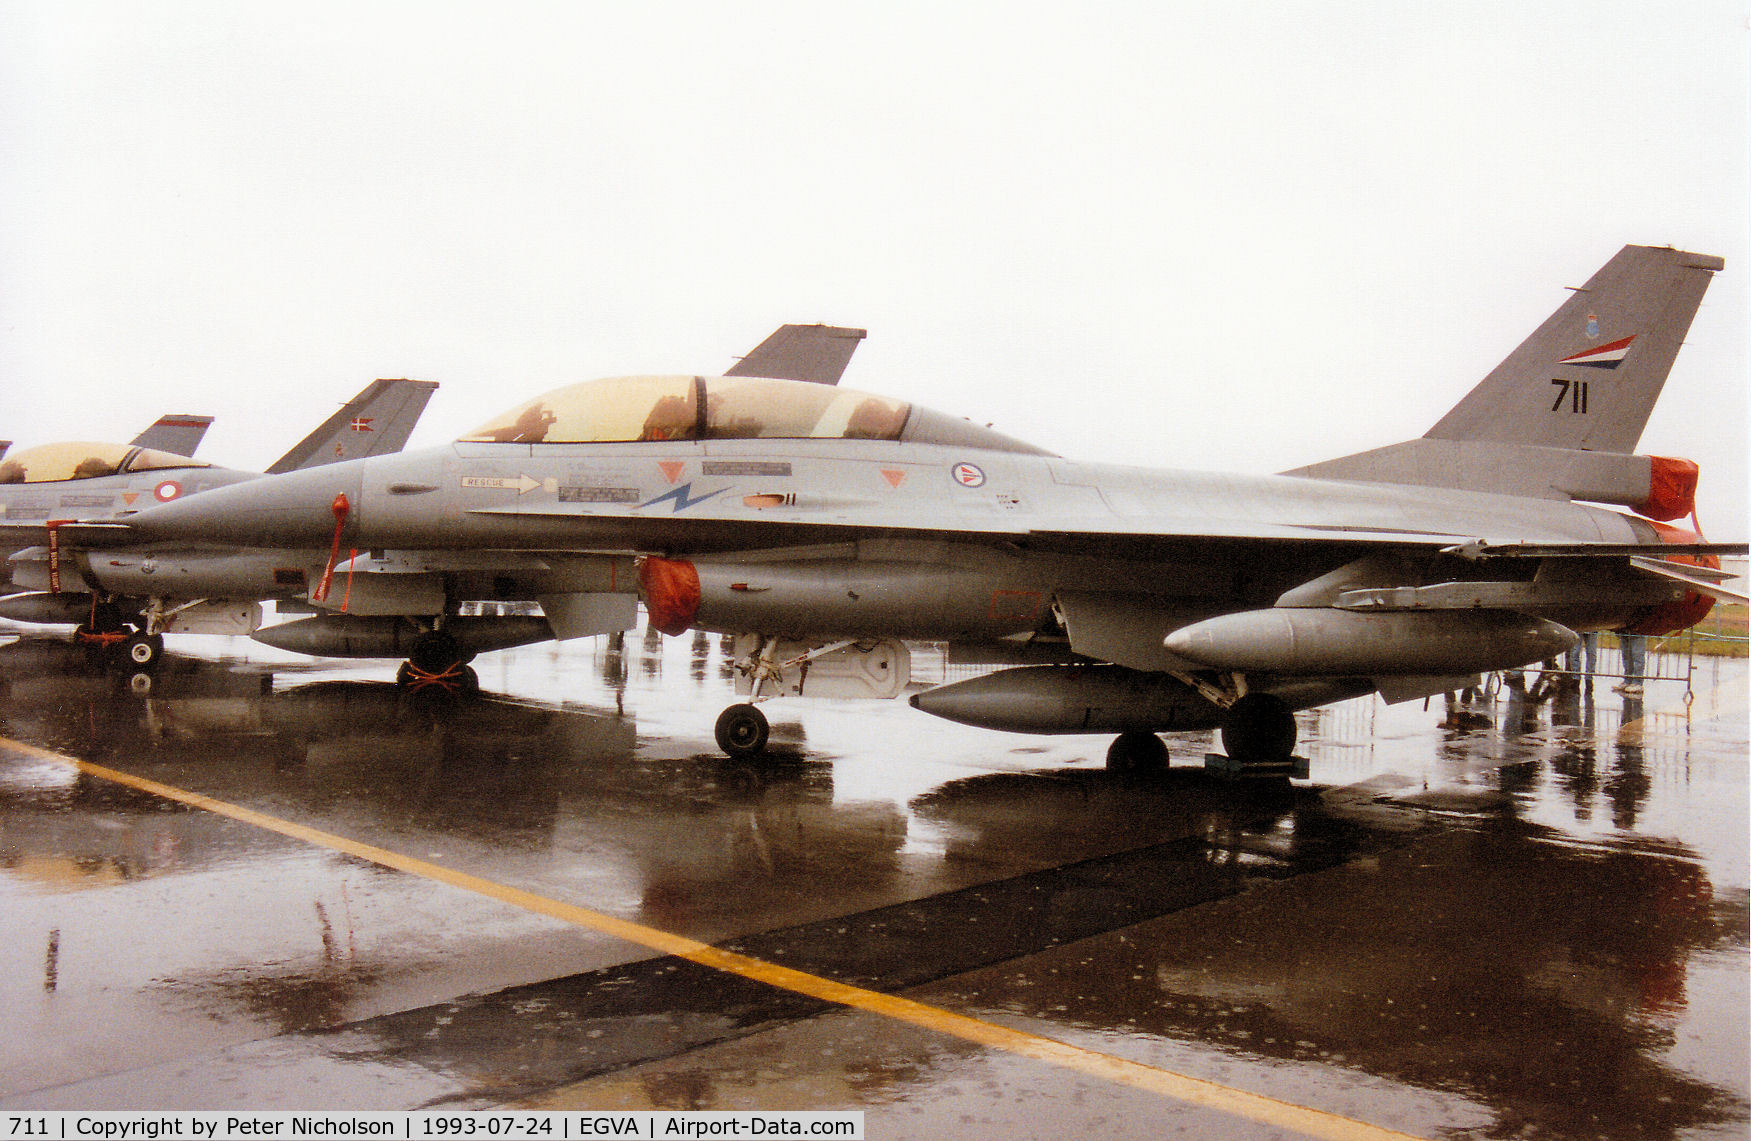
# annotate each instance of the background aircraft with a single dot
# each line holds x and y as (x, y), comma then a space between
(117, 599)
(825, 527)
(133, 596)
(177, 432)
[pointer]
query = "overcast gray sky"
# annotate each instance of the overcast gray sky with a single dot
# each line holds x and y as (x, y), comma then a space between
(1205, 235)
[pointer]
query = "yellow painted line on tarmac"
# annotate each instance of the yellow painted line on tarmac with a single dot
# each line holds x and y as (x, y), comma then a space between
(1091, 1063)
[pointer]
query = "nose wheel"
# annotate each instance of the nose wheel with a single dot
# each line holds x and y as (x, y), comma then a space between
(142, 651)
(742, 731)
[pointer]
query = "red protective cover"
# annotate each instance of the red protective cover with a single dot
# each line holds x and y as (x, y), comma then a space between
(1671, 489)
(671, 593)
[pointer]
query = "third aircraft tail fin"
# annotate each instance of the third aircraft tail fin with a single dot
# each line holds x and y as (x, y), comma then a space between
(179, 433)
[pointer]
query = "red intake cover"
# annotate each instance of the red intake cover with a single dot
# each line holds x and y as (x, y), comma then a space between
(671, 593)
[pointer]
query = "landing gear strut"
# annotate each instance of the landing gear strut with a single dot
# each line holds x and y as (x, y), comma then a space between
(742, 730)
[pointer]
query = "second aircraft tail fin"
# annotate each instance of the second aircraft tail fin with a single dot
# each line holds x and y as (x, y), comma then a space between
(817, 353)
(376, 422)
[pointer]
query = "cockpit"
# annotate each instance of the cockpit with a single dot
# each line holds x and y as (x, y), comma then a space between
(54, 463)
(648, 408)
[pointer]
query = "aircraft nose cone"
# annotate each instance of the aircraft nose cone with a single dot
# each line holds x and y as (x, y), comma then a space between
(296, 509)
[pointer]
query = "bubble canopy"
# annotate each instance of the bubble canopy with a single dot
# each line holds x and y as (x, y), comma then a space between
(627, 409)
(54, 463)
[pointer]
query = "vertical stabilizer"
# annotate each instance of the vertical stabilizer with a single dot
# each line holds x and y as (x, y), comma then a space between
(376, 422)
(178, 433)
(1589, 377)
(817, 353)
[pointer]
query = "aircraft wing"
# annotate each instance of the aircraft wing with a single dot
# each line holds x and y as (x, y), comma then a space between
(376, 422)
(178, 433)
(817, 353)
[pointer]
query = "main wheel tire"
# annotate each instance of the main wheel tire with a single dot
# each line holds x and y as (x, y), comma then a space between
(435, 651)
(1137, 752)
(1259, 727)
(742, 731)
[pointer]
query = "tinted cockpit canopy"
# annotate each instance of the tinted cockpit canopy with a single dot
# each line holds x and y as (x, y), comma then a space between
(633, 408)
(52, 463)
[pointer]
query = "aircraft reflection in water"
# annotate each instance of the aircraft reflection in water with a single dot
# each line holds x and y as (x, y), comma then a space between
(1468, 951)
(827, 527)
(705, 832)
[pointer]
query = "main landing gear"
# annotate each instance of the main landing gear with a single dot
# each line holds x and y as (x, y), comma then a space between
(437, 663)
(1137, 753)
(1257, 730)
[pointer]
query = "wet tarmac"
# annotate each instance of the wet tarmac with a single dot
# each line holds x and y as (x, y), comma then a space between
(1496, 919)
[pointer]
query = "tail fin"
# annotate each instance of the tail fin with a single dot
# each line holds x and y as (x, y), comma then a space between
(802, 352)
(1589, 377)
(1559, 417)
(376, 422)
(177, 433)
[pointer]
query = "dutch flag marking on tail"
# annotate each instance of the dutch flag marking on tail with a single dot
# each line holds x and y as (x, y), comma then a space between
(1605, 356)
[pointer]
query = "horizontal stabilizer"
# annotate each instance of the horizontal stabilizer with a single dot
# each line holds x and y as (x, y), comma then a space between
(1703, 580)
(1481, 550)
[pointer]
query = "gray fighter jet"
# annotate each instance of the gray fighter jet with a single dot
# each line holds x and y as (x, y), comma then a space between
(112, 600)
(179, 432)
(133, 595)
(827, 527)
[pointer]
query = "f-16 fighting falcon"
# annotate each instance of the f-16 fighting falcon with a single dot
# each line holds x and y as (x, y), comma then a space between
(119, 601)
(826, 527)
(130, 597)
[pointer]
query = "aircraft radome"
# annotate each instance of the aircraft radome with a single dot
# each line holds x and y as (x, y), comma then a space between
(827, 527)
